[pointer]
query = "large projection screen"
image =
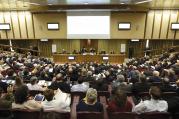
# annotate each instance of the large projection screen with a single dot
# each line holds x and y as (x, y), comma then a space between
(86, 25)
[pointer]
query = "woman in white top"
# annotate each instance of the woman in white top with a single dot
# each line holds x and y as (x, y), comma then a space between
(59, 101)
(154, 104)
(34, 85)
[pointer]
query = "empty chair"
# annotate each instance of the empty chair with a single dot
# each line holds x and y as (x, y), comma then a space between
(89, 115)
(122, 115)
(26, 114)
(104, 93)
(155, 115)
(167, 95)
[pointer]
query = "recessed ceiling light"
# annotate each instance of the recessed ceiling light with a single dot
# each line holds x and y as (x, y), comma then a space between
(122, 3)
(34, 3)
(50, 4)
(143, 1)
(86, 3)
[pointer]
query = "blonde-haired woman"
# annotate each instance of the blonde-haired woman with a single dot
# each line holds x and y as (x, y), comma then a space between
(90, 103)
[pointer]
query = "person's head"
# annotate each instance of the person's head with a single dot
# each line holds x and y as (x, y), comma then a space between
(59, 77)
(33, 80)
(156, 73)
(155, 92)
(120, 78)
(18, 81)
(80, 80)
(91, 96)
(166, 80)
(21, 94)
(142, 78)
(120, 97)
(49, 94)
(10, 72)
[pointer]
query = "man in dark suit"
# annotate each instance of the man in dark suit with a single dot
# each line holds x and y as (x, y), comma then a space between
(142, 86)
(61, 84)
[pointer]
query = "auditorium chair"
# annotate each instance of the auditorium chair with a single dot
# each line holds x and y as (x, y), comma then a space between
(155, 115)
(90, 115)
(55, 115)
(175, 116)
(5, 114)
(122, 115)
(103, 93)
(35, 92)
(26, 114)
(166, 95)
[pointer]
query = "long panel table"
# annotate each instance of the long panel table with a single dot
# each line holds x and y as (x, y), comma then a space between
(112, 58)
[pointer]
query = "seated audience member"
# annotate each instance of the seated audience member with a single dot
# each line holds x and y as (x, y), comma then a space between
(177, 87)
(90, 103)
(60, 83)
(3, 85)
(22, 101)
(155, 77)
(121, 84)
(34, 84)
(155, 104)
(166, 87)
(120, 80)
(18, 83)
(58, 101)
(80, 87)
(119, 103)
(142, 86)
(100, 85)
(25, 75)
(7, 98)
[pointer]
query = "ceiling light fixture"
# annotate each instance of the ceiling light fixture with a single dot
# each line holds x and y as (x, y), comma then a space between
(86, 3)
(50, 4)
(143, 1)
(34, 3)
(122, 3)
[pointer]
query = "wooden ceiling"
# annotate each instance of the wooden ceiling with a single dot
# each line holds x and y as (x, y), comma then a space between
(85, 5)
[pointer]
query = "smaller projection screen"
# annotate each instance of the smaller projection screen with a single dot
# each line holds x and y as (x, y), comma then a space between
(5, 26)
(53, 26)
(175, 26)
(124, 26)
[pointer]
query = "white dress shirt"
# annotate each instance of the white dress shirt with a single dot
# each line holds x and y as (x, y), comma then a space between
(61, 102)
(34, 87)
(151, 106)
(79, 88)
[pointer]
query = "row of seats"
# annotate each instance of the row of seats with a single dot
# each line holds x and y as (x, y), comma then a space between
(26, 114)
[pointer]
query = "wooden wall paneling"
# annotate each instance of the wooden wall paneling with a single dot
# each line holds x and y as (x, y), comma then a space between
(7, 17)
(74, 44)
(45, 48)
(157, 23)
(176, 32)
(173, 18)
(22, 23)
(137, 21)
(40, 25)
(103, 45)
(3, 33)
(149, 25)
(165, 24)
(29, 24)
(15, 23)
